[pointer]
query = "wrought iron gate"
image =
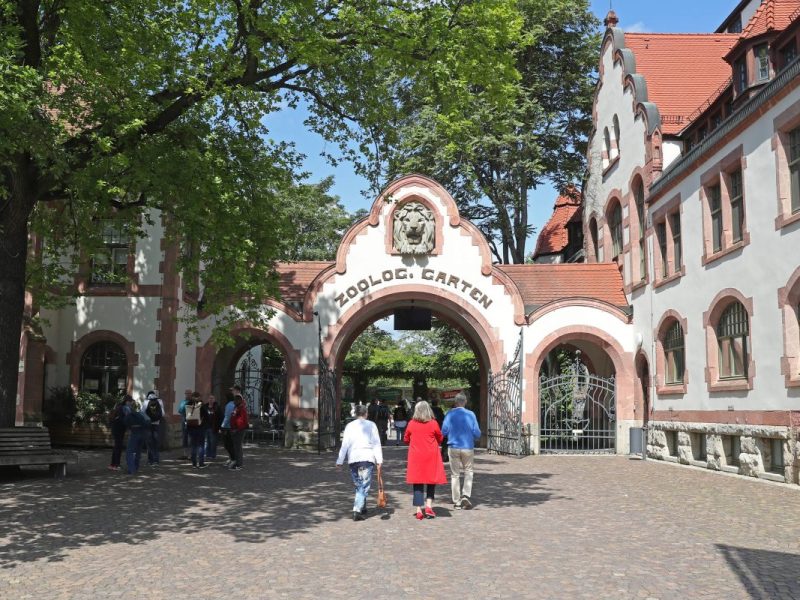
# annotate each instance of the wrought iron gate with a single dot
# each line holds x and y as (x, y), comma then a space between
(504, 434)
(261, 384)
(577, 412)
(328, 423)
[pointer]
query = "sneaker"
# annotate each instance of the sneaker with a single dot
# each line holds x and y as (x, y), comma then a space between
(236, 468)
(113, 468)
(419, 516)
(429, 514)
(457, 506)
(364, 511)
(203, 466)
(357, 516)
(465, 503)
(195, 467)
(228, 463)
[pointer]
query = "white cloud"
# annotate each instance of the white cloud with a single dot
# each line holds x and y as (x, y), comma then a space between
(637, 27)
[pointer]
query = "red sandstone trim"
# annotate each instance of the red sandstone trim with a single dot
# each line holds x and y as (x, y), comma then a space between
(788, 304)
(662, 387)
(773, 418)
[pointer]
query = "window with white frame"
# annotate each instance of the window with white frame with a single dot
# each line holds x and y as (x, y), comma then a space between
(733, 333)
(761, 55)
(110, 264)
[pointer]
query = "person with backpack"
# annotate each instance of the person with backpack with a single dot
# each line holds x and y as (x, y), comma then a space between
(197, 421)
(154, 409)
(117, 425)
(136, 423)
(239, 424)
(400, 417)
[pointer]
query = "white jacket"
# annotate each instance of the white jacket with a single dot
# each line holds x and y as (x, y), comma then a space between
(361, 443)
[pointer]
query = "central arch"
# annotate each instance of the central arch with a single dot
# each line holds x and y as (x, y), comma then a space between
(477, 331)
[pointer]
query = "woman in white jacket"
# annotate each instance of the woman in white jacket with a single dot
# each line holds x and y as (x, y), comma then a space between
(361, 447)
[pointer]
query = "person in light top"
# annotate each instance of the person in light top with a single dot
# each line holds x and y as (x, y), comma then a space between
(361, 447)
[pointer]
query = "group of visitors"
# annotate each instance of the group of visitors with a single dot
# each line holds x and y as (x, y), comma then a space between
(203, 421)
(427, 442)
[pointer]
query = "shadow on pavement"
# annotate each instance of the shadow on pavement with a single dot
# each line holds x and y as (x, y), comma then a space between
(765, 574)
(279, 494)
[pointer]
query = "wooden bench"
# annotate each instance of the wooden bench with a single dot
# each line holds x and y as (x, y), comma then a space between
(21, 446)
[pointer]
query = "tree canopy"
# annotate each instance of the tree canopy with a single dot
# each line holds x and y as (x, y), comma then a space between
(490, 156)
(131, 110)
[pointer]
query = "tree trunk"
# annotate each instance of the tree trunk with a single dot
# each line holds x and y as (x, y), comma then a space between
(13, 257)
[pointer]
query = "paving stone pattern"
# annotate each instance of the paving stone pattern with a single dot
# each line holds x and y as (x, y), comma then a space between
(542, 527)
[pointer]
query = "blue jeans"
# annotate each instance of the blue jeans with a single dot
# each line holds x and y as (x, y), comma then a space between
(211, 443)
(152, 441)
(133, 452)
(118, 433)
(361, 473)
(197, 436)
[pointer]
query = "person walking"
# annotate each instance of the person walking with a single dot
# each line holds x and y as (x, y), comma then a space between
(116, 422)
(382, 420)
(187, 396)
(239, 424)
(197, 421)
(438, 414)
(225, 427)
(425, 468)
(212, 432)
(361, 448)
(136, 422)
(400, 417)
(154, 409)
(461, 428)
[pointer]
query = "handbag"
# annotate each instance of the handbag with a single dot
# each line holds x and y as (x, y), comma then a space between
(382, 501)
(193, 414)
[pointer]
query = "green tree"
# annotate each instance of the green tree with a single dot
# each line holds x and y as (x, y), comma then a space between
(124, 109)
(491, 156)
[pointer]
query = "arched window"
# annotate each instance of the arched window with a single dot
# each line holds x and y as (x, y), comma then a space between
(615, 229)
(674, 354)
(606, 147)
(733, 332)
(615, 148)
(593, 236)
(104, 369)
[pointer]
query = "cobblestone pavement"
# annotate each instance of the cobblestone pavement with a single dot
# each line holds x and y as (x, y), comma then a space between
(542, 527)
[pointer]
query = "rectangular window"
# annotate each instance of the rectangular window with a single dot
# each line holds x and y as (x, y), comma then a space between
(661, 232)
(716, 120)
(715, 207)
(740, 75)
(776, 456)
(677, 251)
(762, 62)
(110, 265)
(737, 206)
(794, 168)
(788, 53)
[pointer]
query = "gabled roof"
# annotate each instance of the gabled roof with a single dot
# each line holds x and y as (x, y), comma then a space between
(682, 71)
(554, 235)
(771, 15)
(542, 284)
(296, 277)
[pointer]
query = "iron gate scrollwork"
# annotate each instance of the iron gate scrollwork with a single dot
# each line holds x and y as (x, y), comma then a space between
(328, 423)
(504, 435)
(261, 384)
(577, 411)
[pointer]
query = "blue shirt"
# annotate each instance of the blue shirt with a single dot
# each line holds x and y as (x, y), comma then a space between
(226, 419)
(461, 428)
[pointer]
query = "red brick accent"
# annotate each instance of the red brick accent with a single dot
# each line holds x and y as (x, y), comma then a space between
(167, 333)
(577, 301)
(666, 321)
(773, 418)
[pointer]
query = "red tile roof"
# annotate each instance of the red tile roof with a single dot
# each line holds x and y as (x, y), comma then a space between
(296, 277)
(772, 15)
(682, 71)
(541, 284)
(554, 236)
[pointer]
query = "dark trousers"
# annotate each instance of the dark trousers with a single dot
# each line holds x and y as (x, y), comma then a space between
(184, 437)
(133, 452)
(227, 442)
(116, 453)
(153, 441)
(382, 434)
(237, 436)
(422, 491)
(197, 439)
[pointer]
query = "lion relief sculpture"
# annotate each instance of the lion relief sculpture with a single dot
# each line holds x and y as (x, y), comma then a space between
(414, 229)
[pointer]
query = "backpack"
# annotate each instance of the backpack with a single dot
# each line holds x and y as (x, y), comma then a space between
(193, 413)
(154, 410)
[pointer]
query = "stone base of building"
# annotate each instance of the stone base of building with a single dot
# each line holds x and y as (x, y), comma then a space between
(765, 452)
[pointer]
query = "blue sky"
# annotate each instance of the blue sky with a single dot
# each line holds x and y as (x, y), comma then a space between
(680, 16)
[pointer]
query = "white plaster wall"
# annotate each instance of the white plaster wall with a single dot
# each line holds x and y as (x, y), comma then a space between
(132, 318)
(670, 152)
(757, 271)
(583, 316)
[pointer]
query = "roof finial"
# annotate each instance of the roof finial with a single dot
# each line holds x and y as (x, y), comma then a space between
(611, 19)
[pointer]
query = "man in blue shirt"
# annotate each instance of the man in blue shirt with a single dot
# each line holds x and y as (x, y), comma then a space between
(461, 429)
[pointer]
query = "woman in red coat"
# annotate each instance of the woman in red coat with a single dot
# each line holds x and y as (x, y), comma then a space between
(425, 466)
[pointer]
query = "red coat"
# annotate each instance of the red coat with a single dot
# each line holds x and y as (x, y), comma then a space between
(424, 457)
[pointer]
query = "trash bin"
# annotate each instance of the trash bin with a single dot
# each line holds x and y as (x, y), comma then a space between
(637, 441)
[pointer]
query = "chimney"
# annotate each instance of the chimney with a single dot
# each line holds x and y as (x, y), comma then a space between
(611, 19)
